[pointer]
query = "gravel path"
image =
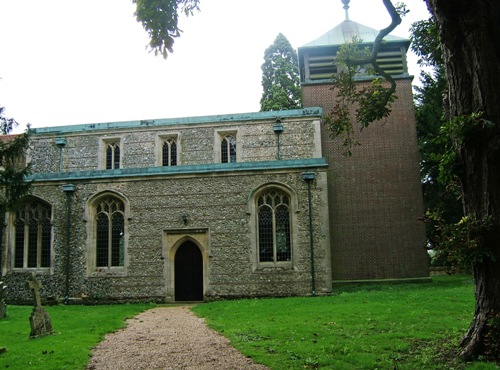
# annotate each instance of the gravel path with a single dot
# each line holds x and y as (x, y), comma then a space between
(168, 338)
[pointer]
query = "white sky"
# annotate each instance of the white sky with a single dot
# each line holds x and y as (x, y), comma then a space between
(65, 62)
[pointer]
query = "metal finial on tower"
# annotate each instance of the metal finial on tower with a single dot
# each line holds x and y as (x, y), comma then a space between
(346, 7)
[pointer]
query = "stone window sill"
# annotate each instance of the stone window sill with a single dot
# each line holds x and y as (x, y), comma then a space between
(109, 272)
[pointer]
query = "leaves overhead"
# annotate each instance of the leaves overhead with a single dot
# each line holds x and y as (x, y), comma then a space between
(160, 19)
(425, 43)
(373, 102)
(280, 77)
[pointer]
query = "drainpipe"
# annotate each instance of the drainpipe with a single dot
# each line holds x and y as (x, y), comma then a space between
(61, 143)
(278, 129)
(69, 189)
(309, 177)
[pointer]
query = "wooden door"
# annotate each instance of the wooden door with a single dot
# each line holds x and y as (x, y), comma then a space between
(188, 267)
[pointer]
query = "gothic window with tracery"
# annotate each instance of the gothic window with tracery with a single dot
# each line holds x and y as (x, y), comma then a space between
(274, 241)
(33, 235)
(112, 155)
(110, 232)
(228, 149)
(169, 152)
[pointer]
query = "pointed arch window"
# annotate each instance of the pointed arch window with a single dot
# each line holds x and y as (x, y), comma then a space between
(169, 152)
(274, 233)
(228, 149)
(109, 232)
(112, 155)
(33, 235)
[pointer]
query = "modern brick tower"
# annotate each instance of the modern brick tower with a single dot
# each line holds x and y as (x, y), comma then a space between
(375, 195)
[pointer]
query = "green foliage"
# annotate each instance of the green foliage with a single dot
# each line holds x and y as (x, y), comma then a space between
(425, 43)
(457, 239)
(13, 172)
(459, 242)
(339, 119)
(492, 337)
(77, 329)
(441, 197)
(371, 103)
(374, 102)
(459, 129)
(160, 19)
(462, 243)
(280, 77)
(401, 326)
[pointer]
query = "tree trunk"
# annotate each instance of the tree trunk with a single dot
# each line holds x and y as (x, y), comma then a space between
(469, 34)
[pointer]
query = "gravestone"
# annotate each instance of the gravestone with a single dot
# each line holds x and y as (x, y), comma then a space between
(39, 319)
(3, 305)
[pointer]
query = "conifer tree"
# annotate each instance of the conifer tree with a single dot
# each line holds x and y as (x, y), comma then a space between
(441, 198)
(13, 171)
(280, 77)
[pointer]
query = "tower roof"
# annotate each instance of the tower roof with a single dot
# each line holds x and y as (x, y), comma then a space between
(344, 33)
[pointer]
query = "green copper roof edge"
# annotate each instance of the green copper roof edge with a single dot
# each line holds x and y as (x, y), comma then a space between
(180, 170)
(238, 117)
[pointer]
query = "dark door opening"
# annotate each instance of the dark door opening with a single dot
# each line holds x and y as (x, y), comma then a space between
(188, 273)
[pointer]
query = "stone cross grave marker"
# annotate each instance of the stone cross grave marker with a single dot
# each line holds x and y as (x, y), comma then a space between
(35, 286)
(39, 319)
(3, 305)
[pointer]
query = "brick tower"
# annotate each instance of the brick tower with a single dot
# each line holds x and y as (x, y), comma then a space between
(375, 195)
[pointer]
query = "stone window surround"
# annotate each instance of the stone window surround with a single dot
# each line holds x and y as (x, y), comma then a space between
(10, 240)
(253, 225)
(160, 139)
(90, 219)
(103, 143)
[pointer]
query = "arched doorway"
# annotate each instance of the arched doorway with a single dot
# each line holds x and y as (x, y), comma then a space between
(188, 278)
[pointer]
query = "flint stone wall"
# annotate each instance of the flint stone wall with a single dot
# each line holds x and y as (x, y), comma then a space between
(217, 202)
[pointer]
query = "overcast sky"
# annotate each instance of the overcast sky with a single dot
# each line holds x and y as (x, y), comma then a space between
(65, 62)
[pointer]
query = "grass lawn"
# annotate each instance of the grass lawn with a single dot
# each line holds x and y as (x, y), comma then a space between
(407, 326)
(76, 330)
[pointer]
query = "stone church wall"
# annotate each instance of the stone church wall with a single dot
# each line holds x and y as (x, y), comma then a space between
(199, 198)
(256, 142)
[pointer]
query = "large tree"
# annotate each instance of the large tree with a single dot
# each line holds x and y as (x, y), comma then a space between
(468, 34)
(280, 77)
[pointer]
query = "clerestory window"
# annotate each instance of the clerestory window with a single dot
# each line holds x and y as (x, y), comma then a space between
(228, 149)
(33, 235)
(274, 236)
(112, 155)
(169, 152)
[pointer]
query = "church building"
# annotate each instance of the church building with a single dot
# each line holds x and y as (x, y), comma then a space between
(227, 206)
